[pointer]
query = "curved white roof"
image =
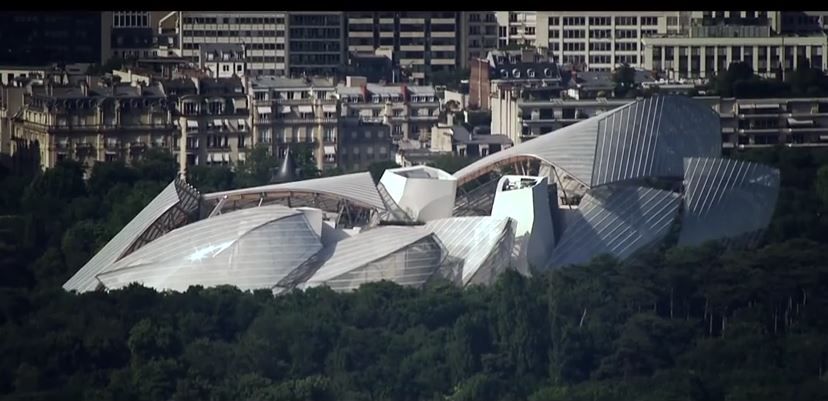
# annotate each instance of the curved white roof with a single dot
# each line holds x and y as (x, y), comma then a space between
(172, 196)
(647, 138)
(250, 248)
(726, 198)
(358, 187)
(382, 253)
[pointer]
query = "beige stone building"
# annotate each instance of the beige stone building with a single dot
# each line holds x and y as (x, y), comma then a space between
(211, 117)
(90, 122)
(288, 111)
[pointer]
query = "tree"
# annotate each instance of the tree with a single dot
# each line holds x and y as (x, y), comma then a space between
(157, 165)
(624, 78)
(257, 168)
(211, 178)
(450, 163)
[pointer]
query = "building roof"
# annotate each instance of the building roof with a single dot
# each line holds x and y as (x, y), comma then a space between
(372, 256)
(250, 249)
(358, 187)
(221, 86)
(648, 137)
(461, 135)
(274, 82)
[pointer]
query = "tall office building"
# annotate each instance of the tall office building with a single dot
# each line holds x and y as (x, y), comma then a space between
(478, 35)
(40, 37)
(422, 42)
(316, 43)
(713, 40)
(262, 33)
(136, 33)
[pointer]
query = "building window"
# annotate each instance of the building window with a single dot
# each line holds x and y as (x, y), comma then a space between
(600, 33)
(649, 21)
(600, 21)
(554, 21)
(574, 21)
(600, 46)
(626, 20)
(626, 33)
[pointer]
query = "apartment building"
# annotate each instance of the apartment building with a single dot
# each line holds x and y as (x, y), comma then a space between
(89, 122)
(454, 137)
(211, 117)
(363, 143)
(316, 43)
(288, 111)
(715, 40)
(410, 111)
(423, 42)
(594, 40)
(602, 40)
(222, 60)
(745, 123)
(264, 35)
(517, 29)
(505, 73)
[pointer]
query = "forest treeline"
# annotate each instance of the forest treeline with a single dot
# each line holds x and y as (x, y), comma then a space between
(670, 324)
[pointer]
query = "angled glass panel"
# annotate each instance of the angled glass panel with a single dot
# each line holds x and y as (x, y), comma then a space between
(351, 254)
(412, 265)
(139, 229)
(250, 249)
(649, 138)
(726, 198)
(498, 260)
(472, 240)
(358, 187)
(615, 220)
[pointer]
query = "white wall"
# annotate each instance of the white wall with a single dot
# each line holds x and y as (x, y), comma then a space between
(529, 207)
(423, 199)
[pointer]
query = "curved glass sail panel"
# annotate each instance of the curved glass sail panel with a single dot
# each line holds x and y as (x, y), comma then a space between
(476, 242)
(250, 249)
(646, 138)
(161, 215)
(726, 198)
(358, 187)
(615, 220)
(404, 255)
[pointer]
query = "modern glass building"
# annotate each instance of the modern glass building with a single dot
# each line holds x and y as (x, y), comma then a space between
(614, 184)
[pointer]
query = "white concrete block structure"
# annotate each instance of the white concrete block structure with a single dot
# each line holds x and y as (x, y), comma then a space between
(424, 193)
(526, 200)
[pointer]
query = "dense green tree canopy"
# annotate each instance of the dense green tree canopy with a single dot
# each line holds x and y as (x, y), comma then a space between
(670, 324)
